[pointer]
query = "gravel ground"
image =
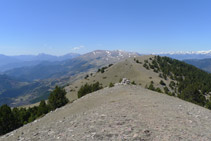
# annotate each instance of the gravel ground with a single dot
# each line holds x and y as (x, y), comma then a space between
(121, 113)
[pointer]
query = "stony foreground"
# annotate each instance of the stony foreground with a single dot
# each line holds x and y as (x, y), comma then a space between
(121, 113)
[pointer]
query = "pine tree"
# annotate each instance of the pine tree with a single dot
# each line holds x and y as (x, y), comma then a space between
(42, 109)
(57, 98)
(7, 120)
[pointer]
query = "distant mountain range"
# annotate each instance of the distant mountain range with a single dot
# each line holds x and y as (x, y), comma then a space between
(187, 55)
(10, 62)
(46, 70)
(204, 64)
(44, 76)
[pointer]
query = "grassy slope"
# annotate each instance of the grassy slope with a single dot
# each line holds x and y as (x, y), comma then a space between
(126, 69)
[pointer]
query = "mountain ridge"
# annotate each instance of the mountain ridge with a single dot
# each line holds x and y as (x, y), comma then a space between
(121, 113)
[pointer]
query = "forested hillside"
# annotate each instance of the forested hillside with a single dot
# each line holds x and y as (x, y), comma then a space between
(187, 82)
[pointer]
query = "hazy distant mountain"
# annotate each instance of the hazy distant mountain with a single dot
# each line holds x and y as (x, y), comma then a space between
(70, 67)
(7, 60)
(188, 55)
(11, 62)
(45, 57)
(204, 64)
(7, 82)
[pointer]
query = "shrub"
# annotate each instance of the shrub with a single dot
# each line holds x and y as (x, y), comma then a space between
(111, 85)
(146, 66)
(42, 108)
(86, 76)
(133, 83)
(172, 84)
(162, 83)
(158, 90)
(57, 98)
(208, 104)
(151, 87)
(120, 80)
(166, 90)
(85, 89)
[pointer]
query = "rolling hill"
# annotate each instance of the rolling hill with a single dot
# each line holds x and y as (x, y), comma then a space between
(161, 74)
(204, 64)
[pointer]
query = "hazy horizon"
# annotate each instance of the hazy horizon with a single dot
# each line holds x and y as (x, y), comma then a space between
(176, 52)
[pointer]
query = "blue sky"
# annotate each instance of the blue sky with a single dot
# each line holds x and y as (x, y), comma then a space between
(145, 26)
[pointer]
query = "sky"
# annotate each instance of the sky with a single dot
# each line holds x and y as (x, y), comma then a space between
(62, 26)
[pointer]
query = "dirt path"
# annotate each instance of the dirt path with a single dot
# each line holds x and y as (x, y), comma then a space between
(121, 113)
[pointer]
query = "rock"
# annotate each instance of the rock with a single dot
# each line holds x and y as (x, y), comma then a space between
(135, 135)
(125, 81)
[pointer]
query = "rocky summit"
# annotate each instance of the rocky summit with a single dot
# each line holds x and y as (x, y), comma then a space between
(123, 112)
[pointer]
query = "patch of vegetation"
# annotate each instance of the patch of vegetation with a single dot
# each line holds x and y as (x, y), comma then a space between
(11, 119)
(162, 83)
(208, 104)
(146, 66)
(151, 86)
(86, 76)
(158, 90)
(172, 85)
(43, 97)
(111, 85)
(86, 89)
(137, 61)
(120, 80)
(102, 70)
(166, 90)
(133, 83)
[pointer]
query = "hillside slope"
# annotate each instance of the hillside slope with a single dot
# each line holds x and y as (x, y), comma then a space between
(204, 64)
(161, 74)
(128, 68)
(121, 113)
